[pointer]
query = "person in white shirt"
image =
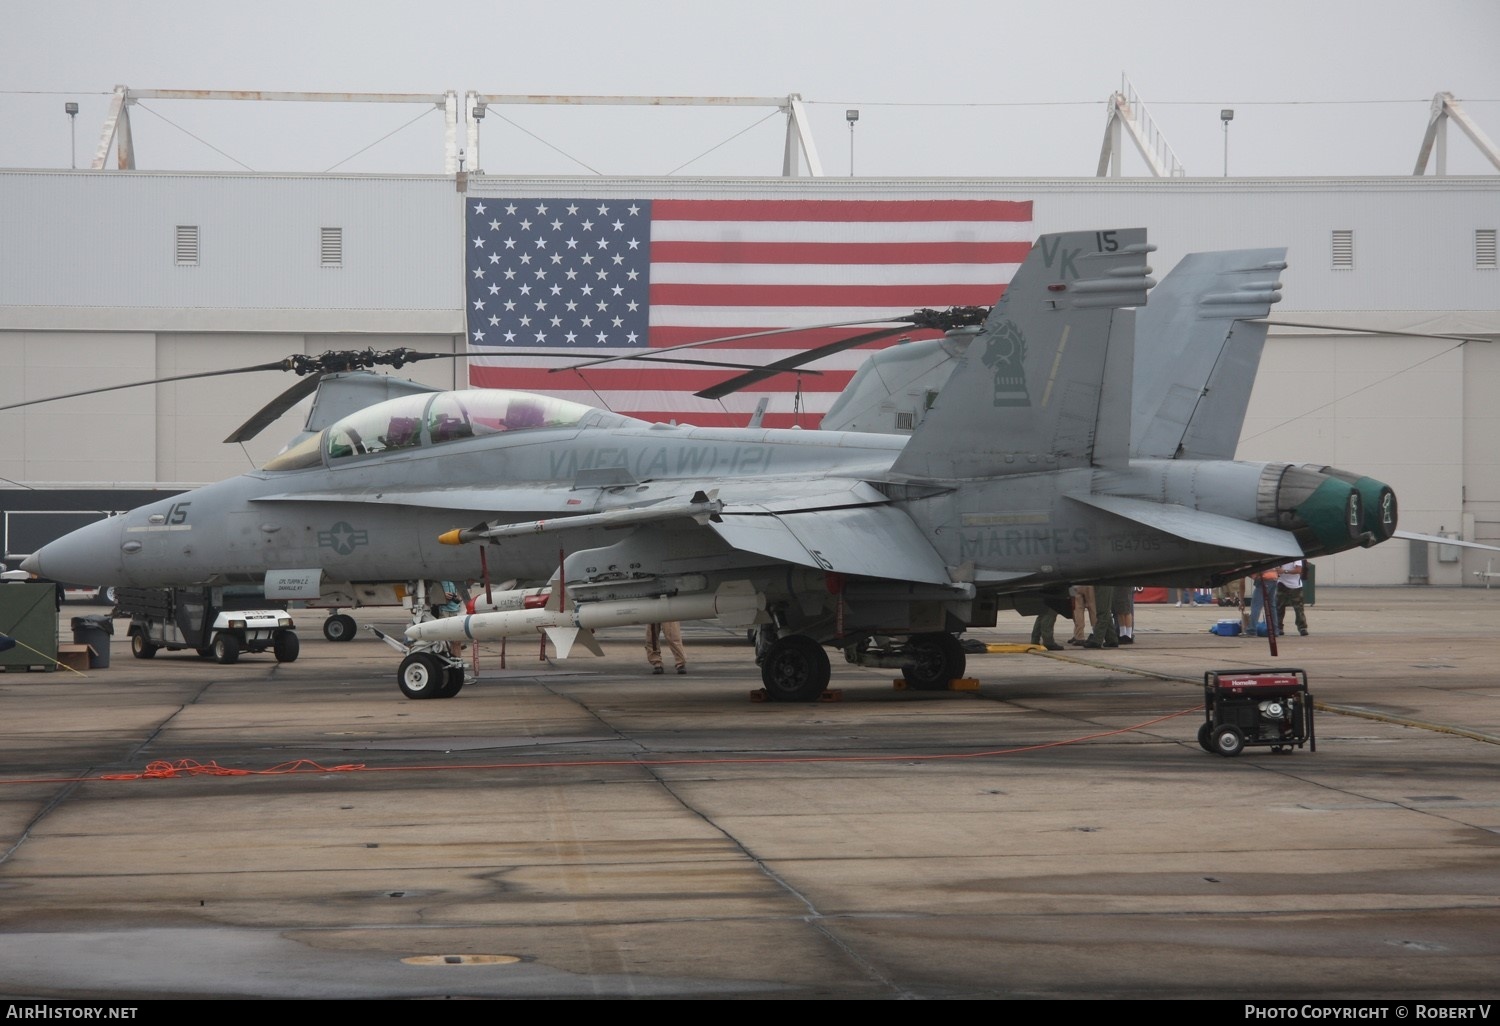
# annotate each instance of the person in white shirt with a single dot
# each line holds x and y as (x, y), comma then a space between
(1289, 593)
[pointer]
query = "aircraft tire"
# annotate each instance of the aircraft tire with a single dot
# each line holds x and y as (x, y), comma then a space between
(936, 659)
(340, 627)
(286, 646)
(453, 684)
(1228, 741)
(795, 669)
(421, 675)
(141, 648)
(226, 649)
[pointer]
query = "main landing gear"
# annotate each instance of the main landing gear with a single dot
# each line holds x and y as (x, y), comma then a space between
(935, 660)
(794, 668)
(340, 627)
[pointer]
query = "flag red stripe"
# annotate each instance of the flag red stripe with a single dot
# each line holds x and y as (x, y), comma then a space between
(842, 253)
(896, 298)
(840, 210)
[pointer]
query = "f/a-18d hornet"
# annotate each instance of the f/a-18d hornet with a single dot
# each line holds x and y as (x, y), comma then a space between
(1017, 482)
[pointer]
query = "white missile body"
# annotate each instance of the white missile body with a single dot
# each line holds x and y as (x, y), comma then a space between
(512, 623)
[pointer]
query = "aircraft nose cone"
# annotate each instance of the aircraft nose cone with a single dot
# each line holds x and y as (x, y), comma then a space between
(90, 555)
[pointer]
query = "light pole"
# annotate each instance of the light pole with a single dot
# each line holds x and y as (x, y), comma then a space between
(1226, 115)
(72, 111)
(851, 116)
(479, 112)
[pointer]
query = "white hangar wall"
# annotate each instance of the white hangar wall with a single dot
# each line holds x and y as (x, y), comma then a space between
(94, 291)
(86, 247)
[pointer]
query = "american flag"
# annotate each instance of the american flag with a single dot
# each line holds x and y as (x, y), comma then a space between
(600, 277)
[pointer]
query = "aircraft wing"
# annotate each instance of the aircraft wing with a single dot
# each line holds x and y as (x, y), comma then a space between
(865, 541)
(845, 527)
(1196, 526)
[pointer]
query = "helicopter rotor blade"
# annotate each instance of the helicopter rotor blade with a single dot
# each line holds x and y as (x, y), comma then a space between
(943, 320)
(904, 320)
(685, 362)
(794, 362)
(272, 411)
(279, 365)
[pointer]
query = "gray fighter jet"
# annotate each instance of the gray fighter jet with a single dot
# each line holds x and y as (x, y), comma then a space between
(1018, 481)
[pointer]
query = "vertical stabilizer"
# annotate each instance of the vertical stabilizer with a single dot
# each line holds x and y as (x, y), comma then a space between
(1197, 354)
(1039, 388)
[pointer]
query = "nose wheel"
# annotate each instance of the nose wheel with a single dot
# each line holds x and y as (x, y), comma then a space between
(428, 675)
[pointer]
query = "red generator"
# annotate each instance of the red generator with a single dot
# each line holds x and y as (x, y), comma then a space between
(1256, 707)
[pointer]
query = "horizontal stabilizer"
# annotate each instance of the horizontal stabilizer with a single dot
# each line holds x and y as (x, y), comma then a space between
(1437, 539)
(1196, 526)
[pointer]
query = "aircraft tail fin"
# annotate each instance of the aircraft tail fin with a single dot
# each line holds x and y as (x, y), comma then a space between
(1197, 353)
(1047, 382)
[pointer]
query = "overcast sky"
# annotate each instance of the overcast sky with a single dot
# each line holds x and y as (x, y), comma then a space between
(944, 87)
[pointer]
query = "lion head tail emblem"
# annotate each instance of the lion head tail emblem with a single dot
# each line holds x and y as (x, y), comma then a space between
(1006, 356)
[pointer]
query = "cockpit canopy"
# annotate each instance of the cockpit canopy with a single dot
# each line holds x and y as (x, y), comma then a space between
(414, 421)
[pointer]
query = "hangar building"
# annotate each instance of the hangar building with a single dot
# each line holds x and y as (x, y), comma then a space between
(110, 277)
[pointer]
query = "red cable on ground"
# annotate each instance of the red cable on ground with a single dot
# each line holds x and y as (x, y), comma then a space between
(161, 769)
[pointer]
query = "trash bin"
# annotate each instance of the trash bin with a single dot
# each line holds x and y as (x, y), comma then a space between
(94, 631)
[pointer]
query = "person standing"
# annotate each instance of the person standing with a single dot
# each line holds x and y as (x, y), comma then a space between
(1234, 595)
(1105, 634)
(671, 633)
(1083, 603)
(449, 602)
(1264, 586)
(1289, 593)
(1042, 630)
(1124, 610)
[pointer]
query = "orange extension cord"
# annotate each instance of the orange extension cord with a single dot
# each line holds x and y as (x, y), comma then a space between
(162, 769)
